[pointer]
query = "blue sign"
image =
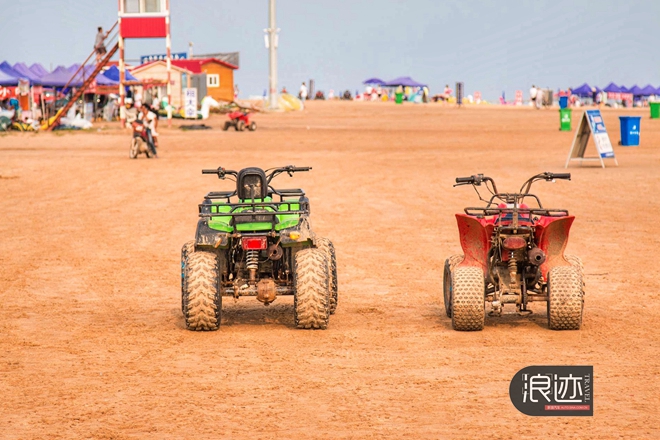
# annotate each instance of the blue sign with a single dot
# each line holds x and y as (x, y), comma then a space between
(162, 57)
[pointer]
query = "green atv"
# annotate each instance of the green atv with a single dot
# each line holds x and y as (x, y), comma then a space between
(257, 241)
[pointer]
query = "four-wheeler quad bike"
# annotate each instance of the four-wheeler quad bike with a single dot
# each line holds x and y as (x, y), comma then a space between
(142, 141)
(257, 241)
(513, 254)
(240, 120)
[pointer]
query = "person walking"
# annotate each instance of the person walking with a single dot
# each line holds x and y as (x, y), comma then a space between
(99, 46)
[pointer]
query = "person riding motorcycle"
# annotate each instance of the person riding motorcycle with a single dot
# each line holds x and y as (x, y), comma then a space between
(150, 119)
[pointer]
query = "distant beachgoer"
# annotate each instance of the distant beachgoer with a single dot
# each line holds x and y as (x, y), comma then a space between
(99, 47)
(533, 94)
(425, 94)
(331, 94)
(236, 91)
(303, 92)
(284, 91)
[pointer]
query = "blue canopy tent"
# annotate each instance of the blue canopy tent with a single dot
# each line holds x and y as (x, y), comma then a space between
(6, 68)
(57, 78)
(38, 70)
(374, 81)
(612, 88)
(635, 90)
(7, 80)
(648, 90)
(584, 90)
(404, 81)
(113, 74)
(22, 69)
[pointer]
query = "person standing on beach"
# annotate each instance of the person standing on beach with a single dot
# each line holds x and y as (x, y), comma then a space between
(533, 94)
(303, 92)
(99, 47)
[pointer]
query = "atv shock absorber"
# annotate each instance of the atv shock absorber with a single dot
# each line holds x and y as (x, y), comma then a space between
(513, 269)
(252, 263)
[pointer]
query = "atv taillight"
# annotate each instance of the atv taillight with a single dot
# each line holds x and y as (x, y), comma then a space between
(514, 243)
(254, 243)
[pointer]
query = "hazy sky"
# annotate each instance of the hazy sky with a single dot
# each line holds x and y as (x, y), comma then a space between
(492, 46)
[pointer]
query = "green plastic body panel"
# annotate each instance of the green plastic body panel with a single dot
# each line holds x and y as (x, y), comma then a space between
(223, 223)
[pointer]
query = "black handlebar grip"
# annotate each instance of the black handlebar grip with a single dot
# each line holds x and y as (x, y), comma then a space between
(566, 176)
(209, 171)
(465, 179)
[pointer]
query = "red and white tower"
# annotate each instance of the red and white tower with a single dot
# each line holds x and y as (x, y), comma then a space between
(144, 19)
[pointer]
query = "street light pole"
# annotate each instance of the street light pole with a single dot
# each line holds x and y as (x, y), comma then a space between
(272, 57)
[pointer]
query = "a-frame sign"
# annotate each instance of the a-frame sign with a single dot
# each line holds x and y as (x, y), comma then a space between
(591, 123)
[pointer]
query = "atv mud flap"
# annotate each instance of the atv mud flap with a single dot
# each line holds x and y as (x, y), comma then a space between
(552, 237)
(475, 240)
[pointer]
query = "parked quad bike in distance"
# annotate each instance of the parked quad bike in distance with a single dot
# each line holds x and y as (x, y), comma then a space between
(257, 241)
(142, 142)
(240, 120)
(513, 254)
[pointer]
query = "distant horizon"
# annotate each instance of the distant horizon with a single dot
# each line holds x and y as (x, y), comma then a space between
(491, 48)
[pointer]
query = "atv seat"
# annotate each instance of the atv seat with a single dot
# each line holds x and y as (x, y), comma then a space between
(523, 218)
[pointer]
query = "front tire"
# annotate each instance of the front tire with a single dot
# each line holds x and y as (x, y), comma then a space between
(202, 299)
(135, 148)
(565, 298)
(187, 249)
(468, 311)
(226, 126)
(329, 250)
(240, 125)
(311, 297)
(253, 126)
(450, 264)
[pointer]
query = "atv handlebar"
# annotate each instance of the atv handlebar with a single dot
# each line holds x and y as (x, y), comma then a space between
(465, 179)
(220, 172)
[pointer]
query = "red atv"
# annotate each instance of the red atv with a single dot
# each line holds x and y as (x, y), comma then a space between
(513, 254)
(240, 120)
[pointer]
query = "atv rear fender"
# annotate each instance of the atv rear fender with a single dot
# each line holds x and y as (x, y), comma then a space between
(551, 236)
(475, 240)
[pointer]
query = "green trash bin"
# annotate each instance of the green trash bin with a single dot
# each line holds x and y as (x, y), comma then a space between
(398, 98)
(565, 119)
(655, 110)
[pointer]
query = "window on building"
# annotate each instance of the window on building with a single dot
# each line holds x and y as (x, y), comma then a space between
(143, 6)
(212, 80)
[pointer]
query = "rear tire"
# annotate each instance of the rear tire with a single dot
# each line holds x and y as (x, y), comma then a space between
(135, 148)
(187, 249)
(226, 126)
(253, 126)
(565, 298)
(468, 311)
(202, 299)
(329, 250)
(576, 262)
(240, 125)
(310, 300)
(450, 264)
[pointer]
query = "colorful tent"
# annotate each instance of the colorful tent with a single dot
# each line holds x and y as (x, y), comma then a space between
(6, 68)
(57, 78)
(405, 81)
(62, 76)
(635, 90)
(374, 81)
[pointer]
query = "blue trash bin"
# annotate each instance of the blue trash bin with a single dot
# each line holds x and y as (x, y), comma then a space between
(630, 130)
(563, 101)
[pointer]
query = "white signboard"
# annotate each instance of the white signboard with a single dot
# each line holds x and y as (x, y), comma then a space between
(190, 103)
(591, 123)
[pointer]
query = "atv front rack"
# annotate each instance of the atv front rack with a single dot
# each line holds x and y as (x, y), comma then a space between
(292, 192)
(522, 212)
(205, 209)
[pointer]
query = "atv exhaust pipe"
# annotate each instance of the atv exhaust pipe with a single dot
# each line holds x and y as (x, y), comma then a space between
(536, 256)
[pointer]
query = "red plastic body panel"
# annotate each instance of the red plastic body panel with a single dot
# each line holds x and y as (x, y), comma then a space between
(475, 240)
(143, 27)
(551, 235)
(240, 116)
